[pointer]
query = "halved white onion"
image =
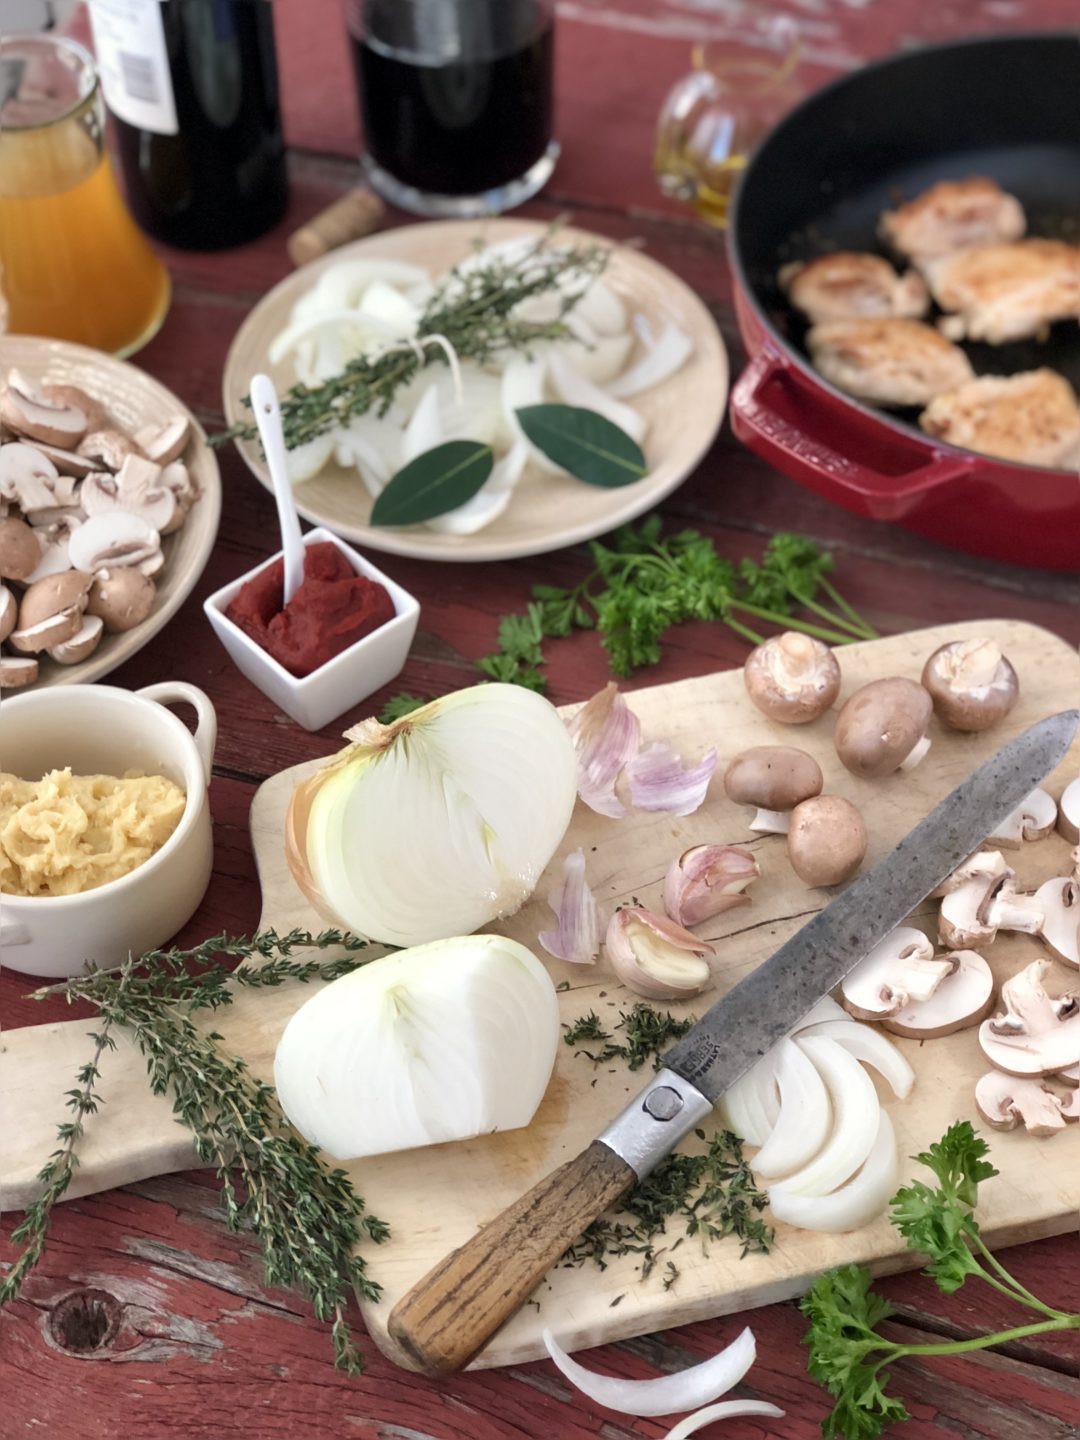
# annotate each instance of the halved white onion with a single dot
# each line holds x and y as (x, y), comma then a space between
(872, 1048)
(438, 823)
(667, 1394)
(805, 1114)
(442, 1042)
(855, 1204)
(856, 1109)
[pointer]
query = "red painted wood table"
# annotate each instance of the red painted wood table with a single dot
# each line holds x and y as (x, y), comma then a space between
(204, 1348)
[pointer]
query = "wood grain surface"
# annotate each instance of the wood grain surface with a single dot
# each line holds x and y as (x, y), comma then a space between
(201, 1348)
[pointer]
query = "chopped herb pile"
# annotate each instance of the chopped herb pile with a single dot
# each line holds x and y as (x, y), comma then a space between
(644, 584)
(647, 1032)
(847, 1355)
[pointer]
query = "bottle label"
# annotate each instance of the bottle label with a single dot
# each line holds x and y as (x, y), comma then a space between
(129, 40)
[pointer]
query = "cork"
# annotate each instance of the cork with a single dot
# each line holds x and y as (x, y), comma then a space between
(356, 214)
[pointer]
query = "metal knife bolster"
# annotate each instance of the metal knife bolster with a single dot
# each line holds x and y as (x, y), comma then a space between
(655, 1121)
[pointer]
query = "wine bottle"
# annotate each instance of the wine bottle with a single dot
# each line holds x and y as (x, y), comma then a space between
(192, 88)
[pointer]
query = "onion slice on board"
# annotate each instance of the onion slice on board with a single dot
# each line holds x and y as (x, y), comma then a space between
(805, 1113)
(576, 937)
(725, 1410)
(872, 1048)
(752, 1105)
(668, 1394)
(856, 1109)
(855, 1204)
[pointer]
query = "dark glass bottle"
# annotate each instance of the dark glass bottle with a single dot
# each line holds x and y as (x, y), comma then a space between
(193, 93)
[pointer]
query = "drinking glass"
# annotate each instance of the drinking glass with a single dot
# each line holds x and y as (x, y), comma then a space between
(73, 265)
(456, 101)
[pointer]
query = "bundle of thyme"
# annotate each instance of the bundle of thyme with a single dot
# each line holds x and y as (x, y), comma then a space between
(307, 1217)
(472, 313)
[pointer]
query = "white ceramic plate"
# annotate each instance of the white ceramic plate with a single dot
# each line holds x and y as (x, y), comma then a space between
(134, 399)
(547, 512)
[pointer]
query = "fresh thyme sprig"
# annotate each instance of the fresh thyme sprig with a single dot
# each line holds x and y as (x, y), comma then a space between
(643, 584)
(472, 313)
(306, 1216)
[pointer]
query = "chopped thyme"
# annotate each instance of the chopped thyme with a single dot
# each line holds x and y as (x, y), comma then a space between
(647, 1032)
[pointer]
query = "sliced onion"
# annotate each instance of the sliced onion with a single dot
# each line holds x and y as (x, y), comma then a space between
(805, 1114)
(355, 329)
(667, 1394)
(304, 462)
(577, 935)
(342, 285)
(390, 307)
(424, 431)
(854, 1204)
(661, 360)
(856, 1109)
(573, 388)
(606, 734)
(438, 823)
(725, 1410)
(603, 309)
(751, 1106)
(477, 513)
(872, 1048)
(442, 1042)
(658, 780)
(523, 384)
(825, 1009)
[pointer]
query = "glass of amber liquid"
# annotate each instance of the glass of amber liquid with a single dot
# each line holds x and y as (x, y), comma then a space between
(73, 265)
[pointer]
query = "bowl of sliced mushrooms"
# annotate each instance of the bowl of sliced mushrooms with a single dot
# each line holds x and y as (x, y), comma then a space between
(109, 504)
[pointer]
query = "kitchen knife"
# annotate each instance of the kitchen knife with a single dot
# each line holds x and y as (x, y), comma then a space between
(448, 1316)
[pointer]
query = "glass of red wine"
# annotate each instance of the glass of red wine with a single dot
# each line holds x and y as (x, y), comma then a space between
(456, 101)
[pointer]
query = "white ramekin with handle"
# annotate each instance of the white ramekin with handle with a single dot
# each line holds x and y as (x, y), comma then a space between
(103, 730)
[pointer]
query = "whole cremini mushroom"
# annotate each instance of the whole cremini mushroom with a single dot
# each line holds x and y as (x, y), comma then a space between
(882, 727)
(826, 840)
(1036, 1034)
(972, 684)
(1005, 1101)
(774, 779)
(122, 596)
(19, 549)
(792, 678)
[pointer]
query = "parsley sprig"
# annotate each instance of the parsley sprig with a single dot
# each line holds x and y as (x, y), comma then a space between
(643, 584)
(847, 1355)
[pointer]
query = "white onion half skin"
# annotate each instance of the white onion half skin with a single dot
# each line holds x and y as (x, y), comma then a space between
(439, 823)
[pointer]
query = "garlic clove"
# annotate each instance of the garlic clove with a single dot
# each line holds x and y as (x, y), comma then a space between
(655, 957)
(706, 880)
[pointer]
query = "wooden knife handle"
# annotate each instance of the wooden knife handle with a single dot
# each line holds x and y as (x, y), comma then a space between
(456, 1308)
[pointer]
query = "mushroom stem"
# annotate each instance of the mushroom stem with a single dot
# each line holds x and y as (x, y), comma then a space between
(916, 754)
(771, 822)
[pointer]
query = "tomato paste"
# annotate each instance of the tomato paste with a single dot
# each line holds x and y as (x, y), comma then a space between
(333, 608)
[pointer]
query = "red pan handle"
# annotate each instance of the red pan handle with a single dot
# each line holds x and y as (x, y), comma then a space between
(776, 413)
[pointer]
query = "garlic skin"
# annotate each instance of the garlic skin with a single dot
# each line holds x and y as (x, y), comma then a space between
(706, 880)
(655, 957)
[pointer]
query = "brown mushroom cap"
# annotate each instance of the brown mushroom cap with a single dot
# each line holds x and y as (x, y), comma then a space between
(19, 549)
(53, 594)
(123, 597)
(773, 777)
(792, 678)
(972, 685)
(881, 726)
(826, 840)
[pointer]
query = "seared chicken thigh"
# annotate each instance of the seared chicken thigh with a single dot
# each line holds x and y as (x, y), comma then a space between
(887, 361)
(846, 284)
(952, 215)
(1007, 292)
(1032, 418)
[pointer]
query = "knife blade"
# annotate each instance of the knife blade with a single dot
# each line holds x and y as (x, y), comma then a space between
(455, 1309)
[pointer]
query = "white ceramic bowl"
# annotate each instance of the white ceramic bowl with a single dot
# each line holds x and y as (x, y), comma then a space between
(341, 683)
(101, 730)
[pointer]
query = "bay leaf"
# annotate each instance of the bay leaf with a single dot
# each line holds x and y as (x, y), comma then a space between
(584, 443)
(439, 480)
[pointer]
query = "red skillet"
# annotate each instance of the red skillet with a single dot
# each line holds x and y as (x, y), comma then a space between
(1005, 107)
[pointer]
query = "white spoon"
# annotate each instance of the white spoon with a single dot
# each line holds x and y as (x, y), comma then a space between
(264, 402)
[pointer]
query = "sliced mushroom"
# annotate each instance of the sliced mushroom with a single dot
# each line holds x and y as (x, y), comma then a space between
(177, 478)
(1036, 1034)
(774, 779)
(55, 539)
(792, 678)
(114, 539)
(50, 612)
(972, 684)
(136, 488)
(1032, 819)
(17, 671)
(882, 727)
(899, 969)
(987, 865)
(963, 999)
(68, 462)
(826, 840)
(30, 412)
(973, 913)
(1004, 1101)
(81, 645)
(9, 611)
(20, 552)
(1059, 901)
(27, 476)
(96, 416)
(123, 597)
(1069, 813)
(164, 443)
(110, 447)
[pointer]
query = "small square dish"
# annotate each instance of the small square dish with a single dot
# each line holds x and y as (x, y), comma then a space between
(336, 686)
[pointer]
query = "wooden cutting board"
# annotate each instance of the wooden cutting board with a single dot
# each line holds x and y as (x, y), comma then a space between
(435, 1198)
